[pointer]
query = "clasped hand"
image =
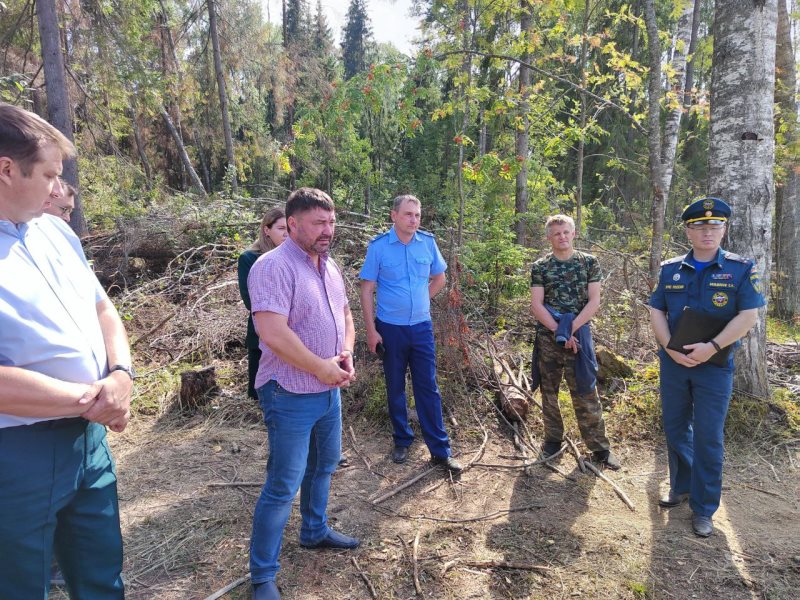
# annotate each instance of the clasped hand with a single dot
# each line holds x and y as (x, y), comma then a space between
(337, 370)
(698, 354)
(109, 401)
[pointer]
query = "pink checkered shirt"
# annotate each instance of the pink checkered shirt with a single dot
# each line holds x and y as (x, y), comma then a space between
(286, 281)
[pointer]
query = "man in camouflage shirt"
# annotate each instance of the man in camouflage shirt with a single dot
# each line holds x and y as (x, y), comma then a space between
(565, 286)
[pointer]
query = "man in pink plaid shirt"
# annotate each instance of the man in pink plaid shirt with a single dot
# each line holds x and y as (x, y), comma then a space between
(306, 334)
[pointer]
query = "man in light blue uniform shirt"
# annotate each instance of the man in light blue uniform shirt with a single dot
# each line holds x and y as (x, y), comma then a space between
(406, 268)
(65, 375)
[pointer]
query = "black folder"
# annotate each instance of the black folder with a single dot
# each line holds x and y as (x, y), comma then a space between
(694, 326)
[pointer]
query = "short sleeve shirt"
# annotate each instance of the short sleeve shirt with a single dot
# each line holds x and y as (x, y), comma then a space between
(728, 285)
(287, 282)
(48, 305)
(402, 273)
(566, 282)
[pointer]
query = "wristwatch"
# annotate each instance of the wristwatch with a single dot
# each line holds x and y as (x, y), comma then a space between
(127, 368)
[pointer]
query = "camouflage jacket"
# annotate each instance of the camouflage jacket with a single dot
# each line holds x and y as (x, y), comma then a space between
(566, 283)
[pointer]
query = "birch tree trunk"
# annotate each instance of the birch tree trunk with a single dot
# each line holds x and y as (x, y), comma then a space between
(466, 70)
(654, 139)
(582, 140)
(742, 151)
(672, 126)
(223, 94)
(787, 196)
(521, 142)
(58, 108)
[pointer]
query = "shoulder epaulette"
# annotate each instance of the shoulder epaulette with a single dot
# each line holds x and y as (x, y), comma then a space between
(673, 260)
(379, 236)
(736, 257)
(428, 233)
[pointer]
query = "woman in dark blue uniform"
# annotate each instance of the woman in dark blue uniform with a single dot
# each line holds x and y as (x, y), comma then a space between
(695, 393)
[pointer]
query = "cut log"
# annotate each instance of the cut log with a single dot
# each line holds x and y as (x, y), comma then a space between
(511, 401)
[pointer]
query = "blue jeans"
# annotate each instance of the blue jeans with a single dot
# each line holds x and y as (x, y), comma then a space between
(58, 492)
(305, 439)
(412, 346)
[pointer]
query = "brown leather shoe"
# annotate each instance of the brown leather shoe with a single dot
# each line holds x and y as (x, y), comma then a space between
(671, 500)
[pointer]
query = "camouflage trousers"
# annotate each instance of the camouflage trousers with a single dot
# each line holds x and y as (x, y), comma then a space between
(555, 362)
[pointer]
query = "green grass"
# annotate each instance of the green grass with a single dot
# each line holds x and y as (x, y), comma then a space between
(782, 332)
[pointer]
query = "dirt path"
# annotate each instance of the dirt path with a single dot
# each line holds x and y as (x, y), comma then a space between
(186, 539)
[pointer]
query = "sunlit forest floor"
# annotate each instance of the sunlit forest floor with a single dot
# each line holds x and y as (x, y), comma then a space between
(493, 533)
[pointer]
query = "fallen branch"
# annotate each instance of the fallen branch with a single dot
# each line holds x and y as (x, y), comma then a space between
(364, 578)
(578, 457)
(769, 493)
(524, 465)
(402, 486)
(425, 473)
(414, 553)
(235, 484)
(486, 517)
(495, 564)
(622, 495)
(361, 456)
(221, 592)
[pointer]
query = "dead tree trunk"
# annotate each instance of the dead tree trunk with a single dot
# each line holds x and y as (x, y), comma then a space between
(223, 94)
(187, 163)
(58, 108)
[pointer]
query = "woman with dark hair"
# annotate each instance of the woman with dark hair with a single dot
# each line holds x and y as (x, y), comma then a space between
(271, 234)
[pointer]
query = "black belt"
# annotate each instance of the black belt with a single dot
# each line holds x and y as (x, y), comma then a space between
(56, 424)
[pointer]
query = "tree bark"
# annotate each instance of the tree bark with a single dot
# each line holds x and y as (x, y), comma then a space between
(521, 142)
(466, 69)
(786, 291)
(667, 145)
(187, 163)
(742, 151)
(689, 83)
(587, 5)
(223, 94)
(654, 139)
(58, 107)
(137, 138)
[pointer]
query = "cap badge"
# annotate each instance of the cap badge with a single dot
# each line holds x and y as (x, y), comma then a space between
(708, 204)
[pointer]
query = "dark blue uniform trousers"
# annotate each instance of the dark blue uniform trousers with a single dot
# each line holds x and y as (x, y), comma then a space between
(694, 404)
(413, 346)
(58, 490)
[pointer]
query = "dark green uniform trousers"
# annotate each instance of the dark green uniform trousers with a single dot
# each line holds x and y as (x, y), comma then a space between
(58, 492)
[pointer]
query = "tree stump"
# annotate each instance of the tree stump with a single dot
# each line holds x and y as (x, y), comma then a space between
(197, 387)
(611, 365)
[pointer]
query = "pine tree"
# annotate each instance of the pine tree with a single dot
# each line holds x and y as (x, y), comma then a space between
(295, 20)
(357, 34)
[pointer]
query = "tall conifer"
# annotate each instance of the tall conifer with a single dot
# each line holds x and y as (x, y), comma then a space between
(356, 38)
